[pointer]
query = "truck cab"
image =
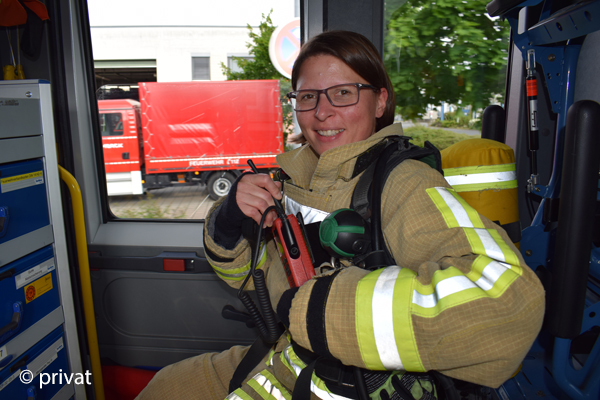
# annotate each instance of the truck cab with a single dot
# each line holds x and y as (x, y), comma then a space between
(122, 145)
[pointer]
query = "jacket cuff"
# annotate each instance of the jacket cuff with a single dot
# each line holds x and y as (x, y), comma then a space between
(228, 222)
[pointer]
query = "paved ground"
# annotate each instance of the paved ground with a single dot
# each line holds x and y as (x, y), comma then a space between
(180, 202)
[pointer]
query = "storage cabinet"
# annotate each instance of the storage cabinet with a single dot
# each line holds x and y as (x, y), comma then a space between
(37, 319)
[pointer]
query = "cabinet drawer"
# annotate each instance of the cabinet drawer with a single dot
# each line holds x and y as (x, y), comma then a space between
(28, 292)
(45, 361)
(23, 209)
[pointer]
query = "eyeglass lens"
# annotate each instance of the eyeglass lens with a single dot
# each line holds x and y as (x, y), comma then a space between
(342, 95)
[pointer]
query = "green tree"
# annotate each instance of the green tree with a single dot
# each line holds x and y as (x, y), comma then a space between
(446, 51)
(259, 66)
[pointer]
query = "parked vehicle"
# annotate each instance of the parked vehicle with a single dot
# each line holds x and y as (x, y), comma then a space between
(190, 132)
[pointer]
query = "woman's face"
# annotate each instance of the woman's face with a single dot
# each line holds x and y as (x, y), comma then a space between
(327, 126)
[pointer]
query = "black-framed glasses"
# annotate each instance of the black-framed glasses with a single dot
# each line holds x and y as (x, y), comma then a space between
(343, 95)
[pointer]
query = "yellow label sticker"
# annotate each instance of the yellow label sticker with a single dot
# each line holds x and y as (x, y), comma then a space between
(38, 288)
(21, 181)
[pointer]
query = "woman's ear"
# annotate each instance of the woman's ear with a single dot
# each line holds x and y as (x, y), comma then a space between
(382, 97)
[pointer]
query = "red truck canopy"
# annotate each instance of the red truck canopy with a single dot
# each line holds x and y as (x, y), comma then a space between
(191, 124)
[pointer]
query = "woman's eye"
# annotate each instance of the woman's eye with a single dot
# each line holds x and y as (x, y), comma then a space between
(342, 92)
(307, 96)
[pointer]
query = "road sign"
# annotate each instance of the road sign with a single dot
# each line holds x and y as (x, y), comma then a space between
(284, 47)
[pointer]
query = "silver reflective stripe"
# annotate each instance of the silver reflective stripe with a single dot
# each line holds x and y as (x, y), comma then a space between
(297, 368)
(488, 177)
(492, 250)
(268, 386)
(444, 288)
(383, 318)
(309, 214)
(457, 209)
(233, 396)
(490, 274)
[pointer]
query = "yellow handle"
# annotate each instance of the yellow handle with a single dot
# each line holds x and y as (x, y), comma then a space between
(85, 281)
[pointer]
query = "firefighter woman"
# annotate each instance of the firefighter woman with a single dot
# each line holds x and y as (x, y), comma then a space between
(458, 299)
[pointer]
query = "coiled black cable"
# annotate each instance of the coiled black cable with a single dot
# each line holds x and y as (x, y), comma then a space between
(266, 322)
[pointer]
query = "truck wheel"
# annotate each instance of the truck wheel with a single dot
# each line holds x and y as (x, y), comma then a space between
(219, 184)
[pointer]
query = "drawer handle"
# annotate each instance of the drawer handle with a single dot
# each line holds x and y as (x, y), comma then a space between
(7, 274)
(15, 323)
(22, 362)
(3, 220)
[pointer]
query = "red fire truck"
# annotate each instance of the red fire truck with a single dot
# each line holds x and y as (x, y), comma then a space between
(190, 132)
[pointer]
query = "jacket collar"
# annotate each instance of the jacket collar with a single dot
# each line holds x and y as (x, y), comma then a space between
(319, 173)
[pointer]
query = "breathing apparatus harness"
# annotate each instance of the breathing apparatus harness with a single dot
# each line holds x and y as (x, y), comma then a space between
(353, 233)
(356, 232)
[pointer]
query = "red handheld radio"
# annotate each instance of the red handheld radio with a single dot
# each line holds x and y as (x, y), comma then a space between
(293, 251)
(291, 245)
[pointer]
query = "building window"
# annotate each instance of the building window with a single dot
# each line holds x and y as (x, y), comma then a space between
(201, 68)
(232, 63)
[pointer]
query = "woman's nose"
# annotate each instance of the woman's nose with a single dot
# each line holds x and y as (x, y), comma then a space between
(324, 108)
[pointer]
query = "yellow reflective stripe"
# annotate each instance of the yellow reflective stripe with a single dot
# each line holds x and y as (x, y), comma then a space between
(292, 361)
(492, 272)
(239, 394)
(383, 325)
(493, 276)
(363, 315)
(485, 177)
(458, 213)
(485, 186)
(268, 387)
(237, 274)
(454, 209)
(383, 318)
(446, 290)
(270, 357)
(482, 169)
(403, 327)
(449, 287)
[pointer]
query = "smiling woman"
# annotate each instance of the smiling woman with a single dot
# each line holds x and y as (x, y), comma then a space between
(441, 286)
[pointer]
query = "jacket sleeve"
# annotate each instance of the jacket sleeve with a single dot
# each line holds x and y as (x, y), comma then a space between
(460, 300)
(233, 265)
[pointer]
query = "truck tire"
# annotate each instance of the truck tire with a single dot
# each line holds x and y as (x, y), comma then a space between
(219, 184)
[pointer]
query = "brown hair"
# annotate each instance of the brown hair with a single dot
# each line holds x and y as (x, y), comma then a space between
(360, 55)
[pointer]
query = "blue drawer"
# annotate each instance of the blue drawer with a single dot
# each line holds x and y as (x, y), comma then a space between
(28, 292)
(45, 360)
(23, 200)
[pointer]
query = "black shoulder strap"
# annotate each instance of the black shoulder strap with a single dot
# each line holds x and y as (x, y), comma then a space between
(255, 354)
(429, 154)
(392, 157)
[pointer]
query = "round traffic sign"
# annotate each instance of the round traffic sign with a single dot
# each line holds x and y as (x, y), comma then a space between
(284, 47)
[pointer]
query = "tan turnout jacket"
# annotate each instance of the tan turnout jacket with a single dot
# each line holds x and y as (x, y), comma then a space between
(460, 299)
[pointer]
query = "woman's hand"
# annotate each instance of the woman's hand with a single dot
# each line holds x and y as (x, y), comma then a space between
(255, 194)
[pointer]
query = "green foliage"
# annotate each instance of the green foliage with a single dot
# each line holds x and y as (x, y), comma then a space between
(439, 137)
(261, 67)
(445, 50)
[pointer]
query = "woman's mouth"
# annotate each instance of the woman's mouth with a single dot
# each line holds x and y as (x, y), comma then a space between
(331, 132)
